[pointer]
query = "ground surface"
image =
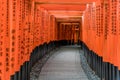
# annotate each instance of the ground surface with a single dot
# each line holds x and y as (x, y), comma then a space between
(64, 64)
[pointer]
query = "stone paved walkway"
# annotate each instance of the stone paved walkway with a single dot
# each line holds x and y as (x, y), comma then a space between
(63, 65)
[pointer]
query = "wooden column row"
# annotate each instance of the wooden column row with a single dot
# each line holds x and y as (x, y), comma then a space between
(23, 26)
(100, 31)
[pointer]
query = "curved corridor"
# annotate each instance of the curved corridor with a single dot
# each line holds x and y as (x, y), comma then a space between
(64, 64)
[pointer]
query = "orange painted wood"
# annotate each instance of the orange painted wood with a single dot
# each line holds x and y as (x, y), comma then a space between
(3, 38)
(118, 34)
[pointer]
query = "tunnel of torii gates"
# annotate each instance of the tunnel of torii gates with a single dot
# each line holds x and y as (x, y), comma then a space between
(29, 25)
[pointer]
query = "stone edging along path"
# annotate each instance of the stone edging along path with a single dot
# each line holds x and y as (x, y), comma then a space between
(36, 69)
(89, 72)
